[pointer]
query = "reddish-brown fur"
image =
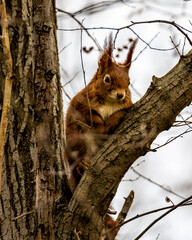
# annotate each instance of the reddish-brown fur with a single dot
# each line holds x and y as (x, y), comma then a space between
(110, 223)
(96, 111)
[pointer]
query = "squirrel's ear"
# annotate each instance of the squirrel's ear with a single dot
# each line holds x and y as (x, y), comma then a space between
(106, 57)
(127, 62)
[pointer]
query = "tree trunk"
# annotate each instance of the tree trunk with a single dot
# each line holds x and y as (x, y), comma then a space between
(33, 160)
(33, 170)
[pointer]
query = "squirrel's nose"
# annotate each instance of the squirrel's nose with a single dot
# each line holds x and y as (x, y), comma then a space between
(120, 96)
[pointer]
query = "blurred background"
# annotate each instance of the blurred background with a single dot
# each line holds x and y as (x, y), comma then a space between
(82, 29)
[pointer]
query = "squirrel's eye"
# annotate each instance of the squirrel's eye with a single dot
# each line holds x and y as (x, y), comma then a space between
(107, 79)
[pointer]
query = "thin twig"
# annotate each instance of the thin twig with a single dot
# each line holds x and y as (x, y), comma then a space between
(172, 139)
(130, 180)
(147, 45)
(71, 79)
(152, 48)
(98, 6)
(183, 46)
(64, 48)
(82, 27)
(186, 123)
(85, 83)
(175, 46)
(82, 124)
(181, 123)
(23, 215)
(116, 29)
(179, 28)
(76, 234)
(158, 236)
(155, 183)
(145, 214)
(167, 22)
(66, 94)
(162, 216)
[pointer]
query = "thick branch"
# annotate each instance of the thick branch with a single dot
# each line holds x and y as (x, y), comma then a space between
(154, 113)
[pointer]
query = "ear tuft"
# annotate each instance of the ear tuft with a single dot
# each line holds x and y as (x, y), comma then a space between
(108, 45)
(127, 62)
(106, 57)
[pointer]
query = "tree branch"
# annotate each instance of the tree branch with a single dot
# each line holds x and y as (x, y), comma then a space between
(178, 27)
(162, 216)
(154, 113)
(148, 213)
(174, 24)
(126, 206)
(81, 24)
(155, 183)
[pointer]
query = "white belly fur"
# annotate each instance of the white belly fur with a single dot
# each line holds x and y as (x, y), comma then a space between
(106, 110)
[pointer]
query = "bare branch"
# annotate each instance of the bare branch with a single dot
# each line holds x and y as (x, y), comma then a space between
(123, 213)
(167, 22)
(155, 183)
(64, 48)
(147, 45)
(125, 209)
(158, 236)
(172, 139)
(91, 119)
(183, 46)
(175, 46)
(23, 215)
(76, 234)
(148, 213)
(187, 123)
(117, 29)
(85, 29)
(71, 79)
(180, 28)
(95, 7)
(163, 215)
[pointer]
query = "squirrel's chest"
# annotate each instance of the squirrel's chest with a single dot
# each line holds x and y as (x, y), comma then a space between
(106, 110)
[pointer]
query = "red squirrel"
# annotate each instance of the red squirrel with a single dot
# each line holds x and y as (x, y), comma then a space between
(96, 111)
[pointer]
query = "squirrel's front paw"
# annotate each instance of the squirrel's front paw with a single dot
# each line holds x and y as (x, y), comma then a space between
(83, 165)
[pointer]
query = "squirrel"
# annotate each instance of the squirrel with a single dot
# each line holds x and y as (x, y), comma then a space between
(96, 111)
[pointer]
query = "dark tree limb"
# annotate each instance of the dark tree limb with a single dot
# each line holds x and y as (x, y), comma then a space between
(154, 113)
(123, 213)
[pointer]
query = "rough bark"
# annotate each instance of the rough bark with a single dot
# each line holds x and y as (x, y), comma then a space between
(154, 113)
(46, 114)
(4, 38)
(32, 165)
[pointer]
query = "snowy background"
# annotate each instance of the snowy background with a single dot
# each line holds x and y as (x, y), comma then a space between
(171, 165)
